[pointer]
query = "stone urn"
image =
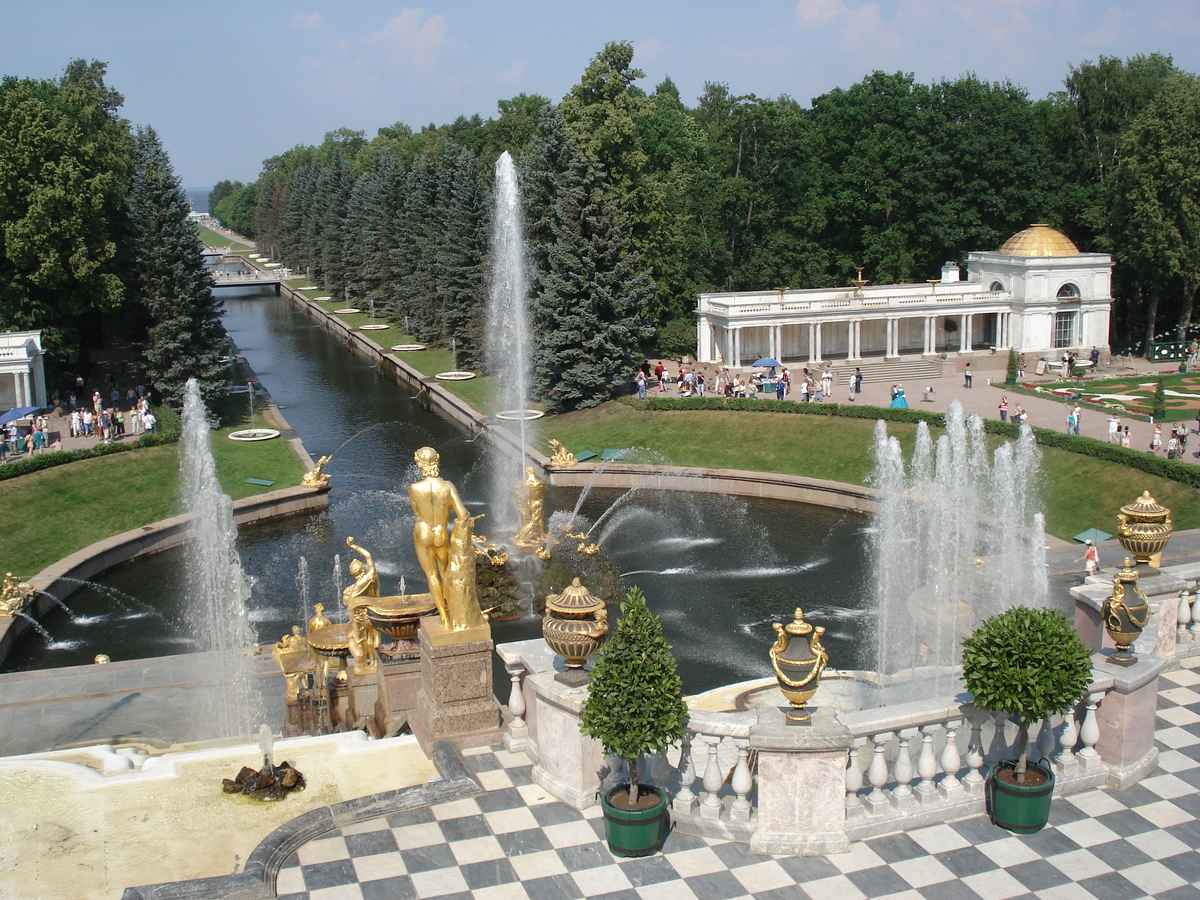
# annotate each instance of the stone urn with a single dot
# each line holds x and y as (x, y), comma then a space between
(1125, 614)
(1144, 528)
(798, 660)
(575, 625)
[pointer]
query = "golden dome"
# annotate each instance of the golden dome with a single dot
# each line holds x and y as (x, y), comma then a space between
(1039, 240)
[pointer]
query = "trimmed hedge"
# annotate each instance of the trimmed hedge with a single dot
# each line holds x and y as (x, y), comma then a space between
(1150, 463)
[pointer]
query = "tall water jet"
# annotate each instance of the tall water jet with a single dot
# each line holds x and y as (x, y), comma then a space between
(217, 586)
(509, 349)
(957, 538)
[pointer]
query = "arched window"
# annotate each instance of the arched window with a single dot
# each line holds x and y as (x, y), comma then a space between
(996, 286)
(1069, 291)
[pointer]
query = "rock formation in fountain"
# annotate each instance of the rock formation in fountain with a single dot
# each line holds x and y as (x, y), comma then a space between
(216, 583)
(509, 352)
(957, 538)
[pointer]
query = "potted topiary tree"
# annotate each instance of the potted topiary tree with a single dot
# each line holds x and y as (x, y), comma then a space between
(1027, 663)
(1010, 374)
(635, 706)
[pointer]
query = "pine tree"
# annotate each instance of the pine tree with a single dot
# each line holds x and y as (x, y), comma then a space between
(335, 186)
(460, 260)
(590, 300)
(168, 279)
(416, 254)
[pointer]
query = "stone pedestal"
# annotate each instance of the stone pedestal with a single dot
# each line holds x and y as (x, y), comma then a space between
(801, 784)
(455, 702)
(570, 764)
(398, 685)
(361, 692)
(1127, 717)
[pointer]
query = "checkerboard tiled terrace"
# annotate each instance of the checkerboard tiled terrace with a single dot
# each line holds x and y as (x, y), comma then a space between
(516, 841)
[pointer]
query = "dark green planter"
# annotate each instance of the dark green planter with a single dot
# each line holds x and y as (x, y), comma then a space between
(636, 832)
(1021, 809)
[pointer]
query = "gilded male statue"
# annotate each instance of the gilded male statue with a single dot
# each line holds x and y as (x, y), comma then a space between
(445, 554)
(364, 639)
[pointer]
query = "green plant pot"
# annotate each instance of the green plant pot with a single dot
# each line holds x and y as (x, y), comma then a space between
(1020, 808)
(634, 832)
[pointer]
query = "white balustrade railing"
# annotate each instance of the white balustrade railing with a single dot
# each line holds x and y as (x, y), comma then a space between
(914, 758)
(754, 306)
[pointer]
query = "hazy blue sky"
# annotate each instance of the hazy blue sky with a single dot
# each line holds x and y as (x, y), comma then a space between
(228, 84)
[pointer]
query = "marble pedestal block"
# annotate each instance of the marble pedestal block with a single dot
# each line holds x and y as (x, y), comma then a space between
(455, 702)
(362, 693)
(1127, 717)
(801, 785)
(570, 765)
(397, 688)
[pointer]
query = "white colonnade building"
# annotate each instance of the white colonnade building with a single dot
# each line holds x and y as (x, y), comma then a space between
(22, 376)
(1038, 295)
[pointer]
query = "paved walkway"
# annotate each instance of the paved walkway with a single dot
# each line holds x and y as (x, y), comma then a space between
(515, 841)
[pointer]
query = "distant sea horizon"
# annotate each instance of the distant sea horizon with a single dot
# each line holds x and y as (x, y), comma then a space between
(198, 198)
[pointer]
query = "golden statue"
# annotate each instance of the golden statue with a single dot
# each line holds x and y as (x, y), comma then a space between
(530, 494)
(318, 620)
(561, 457)
(364, 639)
(13, 595)
(294, 658)
(445, 554)
(316, 477)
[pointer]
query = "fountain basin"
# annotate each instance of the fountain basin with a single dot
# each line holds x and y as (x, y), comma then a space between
(454, 376)
(254, 434)
(519, 415)
(345, 311)
(403, 348)
(374, 327)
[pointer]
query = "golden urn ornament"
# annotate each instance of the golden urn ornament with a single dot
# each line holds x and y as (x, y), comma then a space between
(1125, 614)
(575, 625)
(1144, 528)
(798, 660)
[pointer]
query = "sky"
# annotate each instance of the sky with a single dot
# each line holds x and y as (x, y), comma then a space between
(227, 85)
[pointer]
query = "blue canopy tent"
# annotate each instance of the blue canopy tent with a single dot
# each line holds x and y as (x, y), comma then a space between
(19, 412)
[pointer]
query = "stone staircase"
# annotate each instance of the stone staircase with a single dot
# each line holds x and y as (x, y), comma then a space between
(902, 370)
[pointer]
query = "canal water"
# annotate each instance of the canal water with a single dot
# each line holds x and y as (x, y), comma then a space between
(717, 569)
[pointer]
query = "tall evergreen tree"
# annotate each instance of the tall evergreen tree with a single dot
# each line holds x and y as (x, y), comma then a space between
(591, 298)
(336, 183)
(168, 278)
(460, 260)
(416, 254)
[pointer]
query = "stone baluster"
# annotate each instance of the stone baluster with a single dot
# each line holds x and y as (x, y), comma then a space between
(741, 782)
(854, 780)
(685, 801)
(1183, 618)
(902, 796)
(877, 773)
(710, 805)
(927, 765)
(1000, 745)
(1045, 740)
(973, 780)
(1089, 733)
(517, 736)
(1195, 626)
(1067, 739)
(951, 762)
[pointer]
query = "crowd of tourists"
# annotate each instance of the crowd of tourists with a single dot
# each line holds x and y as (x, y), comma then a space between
(102, 419)
(809, 386)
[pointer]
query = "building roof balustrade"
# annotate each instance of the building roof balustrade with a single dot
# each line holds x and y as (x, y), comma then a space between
(957, 294)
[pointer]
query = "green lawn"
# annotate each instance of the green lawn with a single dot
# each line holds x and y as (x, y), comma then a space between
(78, 504)
(1079, 491)
(216, 239)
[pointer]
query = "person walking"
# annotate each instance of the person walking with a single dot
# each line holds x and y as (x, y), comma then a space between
(1114, 428)
(968, 377)
(640, 380)
(1126, 440)
(1004, 409)
(1072, 422)
(1090, 558)
(858, 379)
(1156, 440)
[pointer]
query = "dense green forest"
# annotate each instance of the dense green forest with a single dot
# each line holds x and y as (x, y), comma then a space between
(740, 192)
(95, 239)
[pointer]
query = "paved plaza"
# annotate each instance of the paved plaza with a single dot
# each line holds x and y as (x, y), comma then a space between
(516, 841)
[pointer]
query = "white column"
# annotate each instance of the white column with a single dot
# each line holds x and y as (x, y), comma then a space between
(812, 342)
(728, 341)
(817, 332)
(970, 332)
(962, 332)
(737, 347)
(703, 339)
(928, 336)
(23, 389)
